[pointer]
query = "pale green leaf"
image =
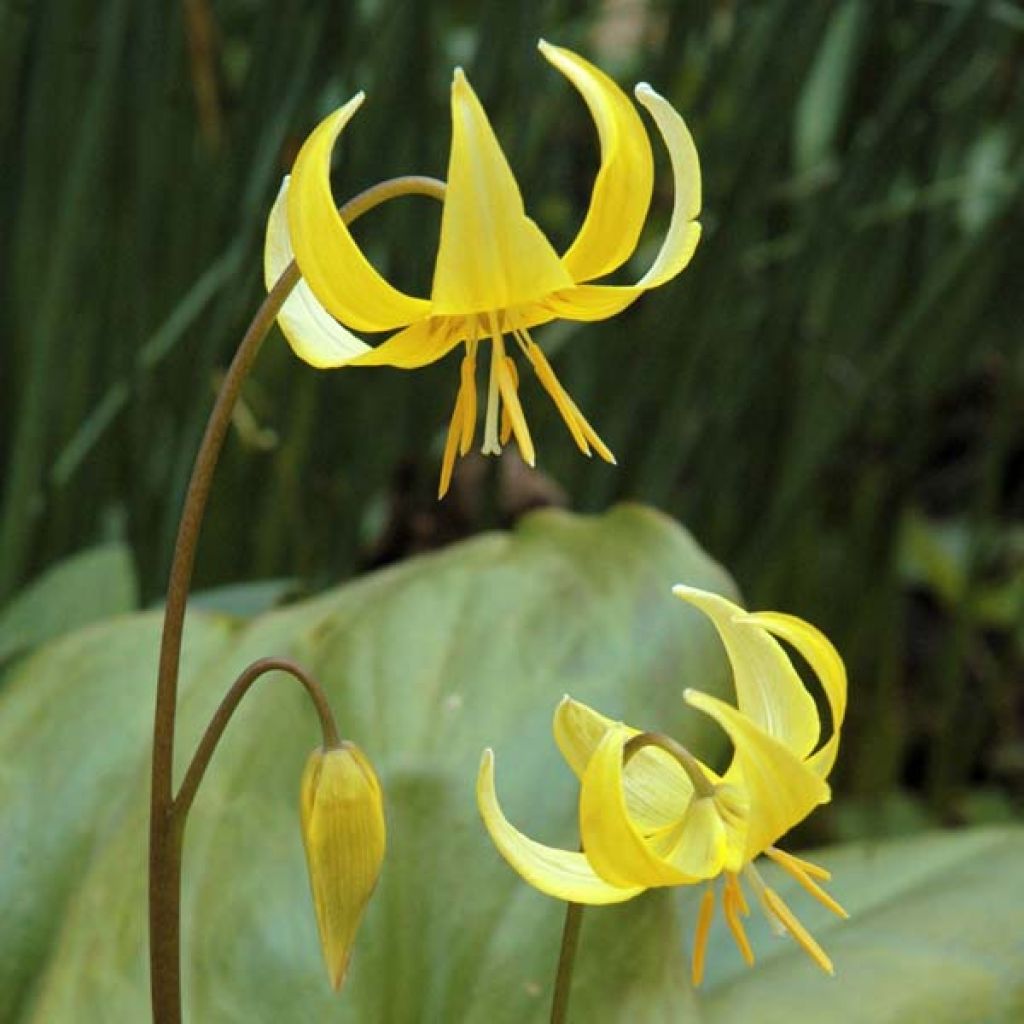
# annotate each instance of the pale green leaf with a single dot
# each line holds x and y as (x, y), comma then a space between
(92, 585)
(426, 664)
(935, 937)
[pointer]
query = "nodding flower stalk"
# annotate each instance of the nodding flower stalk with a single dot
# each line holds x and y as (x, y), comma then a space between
(169, 808)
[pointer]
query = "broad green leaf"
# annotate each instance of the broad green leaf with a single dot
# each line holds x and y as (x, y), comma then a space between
(245, 599)
(426, 663)
(934, 938)
(87, 587)
(75, 724)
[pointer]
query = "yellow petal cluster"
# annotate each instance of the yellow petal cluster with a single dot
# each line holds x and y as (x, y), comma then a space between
(342, 816)
(651, 814)
(496, 275)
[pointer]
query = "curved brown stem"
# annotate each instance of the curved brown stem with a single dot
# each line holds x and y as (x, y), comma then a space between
(241, 686)
(165, 827)
(566, 961)
(166, 823)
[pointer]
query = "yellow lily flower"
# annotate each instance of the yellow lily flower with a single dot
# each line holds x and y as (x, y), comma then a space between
(653, 815)
(496, 275)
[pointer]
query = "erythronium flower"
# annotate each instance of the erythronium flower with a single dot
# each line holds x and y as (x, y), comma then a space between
(496, 275)
(652, 815)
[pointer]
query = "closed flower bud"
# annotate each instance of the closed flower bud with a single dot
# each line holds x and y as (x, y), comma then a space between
(344, 836)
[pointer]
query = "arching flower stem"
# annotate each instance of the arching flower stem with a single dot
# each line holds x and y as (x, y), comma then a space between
(167, 815)
(218, 723)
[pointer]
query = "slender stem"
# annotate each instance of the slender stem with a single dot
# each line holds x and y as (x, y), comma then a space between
(241, 686)
(566, 961)
(166, 822)
(165, 827)
(702, 786)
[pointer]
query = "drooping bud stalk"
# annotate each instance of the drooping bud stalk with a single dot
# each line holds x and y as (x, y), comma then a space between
(343, 832)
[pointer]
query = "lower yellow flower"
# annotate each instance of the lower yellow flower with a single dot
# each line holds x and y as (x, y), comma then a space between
(651, 814)
(342, 816)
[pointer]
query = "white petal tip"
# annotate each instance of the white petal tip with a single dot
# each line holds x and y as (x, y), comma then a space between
(487, 757)
(643, 90)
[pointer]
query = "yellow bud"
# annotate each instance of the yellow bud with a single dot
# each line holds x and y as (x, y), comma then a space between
(343, 832)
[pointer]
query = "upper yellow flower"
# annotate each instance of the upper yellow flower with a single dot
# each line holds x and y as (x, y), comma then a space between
(496, 275)
(651, 814)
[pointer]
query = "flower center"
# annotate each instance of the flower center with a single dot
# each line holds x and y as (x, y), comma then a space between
(504, 415)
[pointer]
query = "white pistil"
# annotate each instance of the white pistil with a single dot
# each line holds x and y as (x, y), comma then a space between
(753, 876)
(492, 445)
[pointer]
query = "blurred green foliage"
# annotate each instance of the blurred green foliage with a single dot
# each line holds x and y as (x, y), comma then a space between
(842, 359)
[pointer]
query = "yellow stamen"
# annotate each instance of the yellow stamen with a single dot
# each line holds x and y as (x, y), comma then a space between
(551, 385)
(734, 902)
(455, 428)
(782, 858)
(467, 393)
(507, 381)
(582, 432)
(792, 867)
(733, 882)
(506, 419)
(491, 444)
(700, 936)
(798, 931)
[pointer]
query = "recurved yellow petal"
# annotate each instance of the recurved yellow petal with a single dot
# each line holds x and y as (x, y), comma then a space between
(781, 788)
(683, 230)
(613, 843)
(657, 789)
(491, 255)
(597, 302)
(700, 849)
(314, 335)
(420, 343)
(590, 302)
(826, 664)
(622, 189)
(712, 836)
(343, 832)
(558, 873)
(338, 273)
(768, 688)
